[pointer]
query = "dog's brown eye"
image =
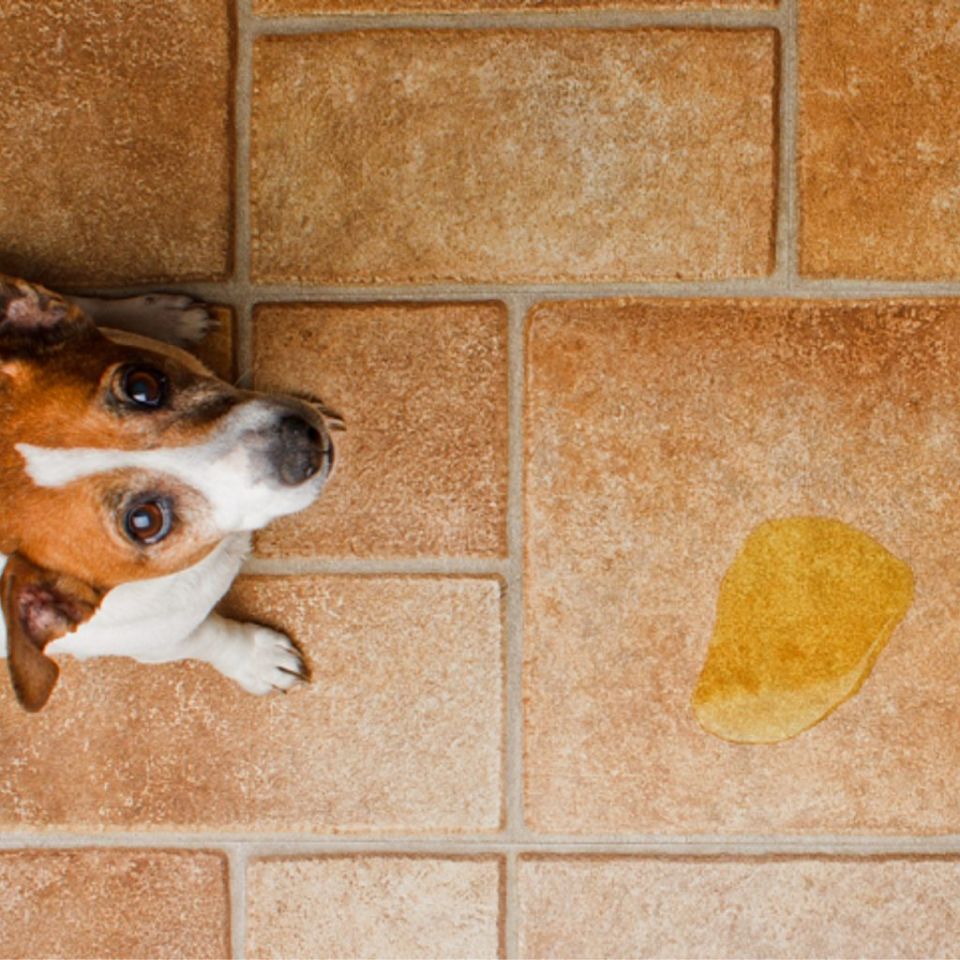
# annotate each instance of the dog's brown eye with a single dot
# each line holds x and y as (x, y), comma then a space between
(144, 386)
(148, 522)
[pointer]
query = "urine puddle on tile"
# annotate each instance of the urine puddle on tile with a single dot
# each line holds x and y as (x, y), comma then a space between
(804, 611)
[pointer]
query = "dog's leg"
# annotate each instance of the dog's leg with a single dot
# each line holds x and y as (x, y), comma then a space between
(258, 658)
(172, 318)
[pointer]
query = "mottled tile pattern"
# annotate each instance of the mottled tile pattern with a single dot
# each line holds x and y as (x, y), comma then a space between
(422, 467)
(293, 7)
(716, 907)
(400, 729)
(879, 159)
(690, 423)
(513, 155)
(106, 177)
(373, 907)
(101, 903)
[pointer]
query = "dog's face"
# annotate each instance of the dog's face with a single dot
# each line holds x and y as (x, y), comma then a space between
(124, 459)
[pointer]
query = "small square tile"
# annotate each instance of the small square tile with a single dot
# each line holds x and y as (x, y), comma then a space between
(659, 434)
(399, 730)
(770, 907)
(879, 160)
(100, 903)
(393, 906)
(422, 467)
(513, 156)
(106, 177)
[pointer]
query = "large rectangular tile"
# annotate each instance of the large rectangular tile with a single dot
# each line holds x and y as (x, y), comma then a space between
(422, 467)
(399, 730)
(106, 177)
(369, 906)
(879, 160)
(102, 903)
(759, 907)
(513, 155)
(659, 434)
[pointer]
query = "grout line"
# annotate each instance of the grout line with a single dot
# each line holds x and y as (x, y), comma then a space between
(241, 847)
(510, 904)
(526, 20)
(237, 860)
(788, 144)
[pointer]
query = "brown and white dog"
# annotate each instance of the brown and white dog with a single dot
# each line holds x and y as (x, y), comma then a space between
(130, 480)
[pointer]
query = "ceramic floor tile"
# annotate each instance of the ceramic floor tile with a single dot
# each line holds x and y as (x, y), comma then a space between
(422, 467)
(106, 178)
(373, 907)
(400, 729)
(513, 155)
(659, 434)
(879, 162)
(101, 903)
(715, 907)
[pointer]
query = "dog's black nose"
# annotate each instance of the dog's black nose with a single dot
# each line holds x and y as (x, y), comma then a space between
(299, 450)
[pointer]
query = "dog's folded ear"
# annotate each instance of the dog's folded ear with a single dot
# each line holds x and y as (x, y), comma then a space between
(32, 317)
(38, 607)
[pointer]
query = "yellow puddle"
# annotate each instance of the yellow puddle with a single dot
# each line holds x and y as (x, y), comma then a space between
(804, 611)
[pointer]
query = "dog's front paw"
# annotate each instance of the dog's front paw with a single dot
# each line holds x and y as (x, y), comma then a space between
(266, 661)
(173, 317)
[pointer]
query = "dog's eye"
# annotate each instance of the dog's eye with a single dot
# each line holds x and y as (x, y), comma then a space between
(144, 386)
(148, 522)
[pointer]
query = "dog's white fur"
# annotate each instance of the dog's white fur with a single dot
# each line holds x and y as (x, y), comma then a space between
(168, 618)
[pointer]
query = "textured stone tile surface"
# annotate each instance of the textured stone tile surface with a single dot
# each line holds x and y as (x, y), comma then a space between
(399, 730)
(513, 155)
(879, 165)
(218, 348)
(113, 903)
(281, 7)
(106, 177)
(876, 907)
(422, 467)
(373, 907)
(658, 435)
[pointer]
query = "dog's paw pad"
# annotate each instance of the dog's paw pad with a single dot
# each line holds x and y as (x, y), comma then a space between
(172, 317)
(271, 662)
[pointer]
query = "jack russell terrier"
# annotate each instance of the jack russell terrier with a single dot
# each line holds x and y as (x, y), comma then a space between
(130, 481)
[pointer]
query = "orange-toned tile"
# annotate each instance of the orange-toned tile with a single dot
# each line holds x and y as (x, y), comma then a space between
(400, 729)
(879, 165)
(658, 435)
(106, 177)
(422, 467)
(513, 155)
(288, 7)
(373, 907)
(113, 903)
(762, 907)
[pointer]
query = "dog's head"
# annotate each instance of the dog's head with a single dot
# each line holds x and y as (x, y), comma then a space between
(122, 458)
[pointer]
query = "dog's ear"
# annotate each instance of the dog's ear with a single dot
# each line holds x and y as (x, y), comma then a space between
(38, 607)
(33, 318)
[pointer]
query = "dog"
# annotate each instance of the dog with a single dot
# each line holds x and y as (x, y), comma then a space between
(131, 479)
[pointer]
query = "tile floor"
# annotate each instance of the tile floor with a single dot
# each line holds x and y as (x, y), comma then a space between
(599, 286)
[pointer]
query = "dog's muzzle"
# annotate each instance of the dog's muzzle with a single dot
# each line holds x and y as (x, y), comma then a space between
(299, 450)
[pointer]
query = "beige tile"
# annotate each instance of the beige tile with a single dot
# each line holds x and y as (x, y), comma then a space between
(400, 729)
(879, 169)
(113, 903)
(293, 7)
(374, 907)
(513, 155)
(106, 177)
(422, 467)
(658, 435)
(763, 907)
